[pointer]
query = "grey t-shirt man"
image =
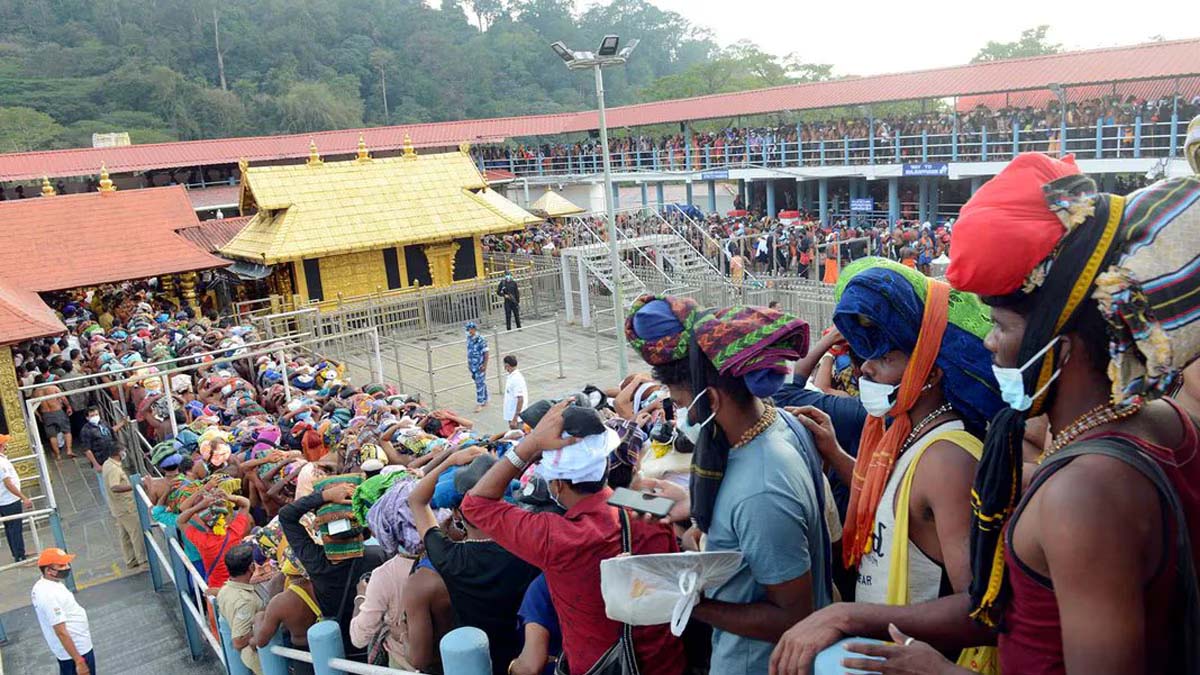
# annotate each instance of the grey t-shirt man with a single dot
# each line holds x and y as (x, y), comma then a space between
(768, 509)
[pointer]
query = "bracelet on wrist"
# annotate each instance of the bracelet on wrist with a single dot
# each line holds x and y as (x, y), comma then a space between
(516, 461)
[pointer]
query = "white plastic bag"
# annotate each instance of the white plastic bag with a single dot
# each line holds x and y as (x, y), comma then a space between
(647, 590)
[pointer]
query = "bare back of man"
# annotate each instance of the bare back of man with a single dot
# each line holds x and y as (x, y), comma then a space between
(54, 415)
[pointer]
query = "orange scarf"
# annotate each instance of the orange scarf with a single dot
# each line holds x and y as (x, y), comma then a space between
(877, 448)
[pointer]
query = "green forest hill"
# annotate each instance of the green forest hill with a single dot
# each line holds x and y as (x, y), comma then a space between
(189, 69)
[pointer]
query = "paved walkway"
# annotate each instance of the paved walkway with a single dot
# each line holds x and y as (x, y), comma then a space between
(87, 526)
(537, 353)
(135, 631)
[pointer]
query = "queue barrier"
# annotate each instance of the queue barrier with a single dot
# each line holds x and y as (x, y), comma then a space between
(464, 650)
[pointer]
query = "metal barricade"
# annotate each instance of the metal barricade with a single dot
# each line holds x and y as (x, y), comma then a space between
(430, 379)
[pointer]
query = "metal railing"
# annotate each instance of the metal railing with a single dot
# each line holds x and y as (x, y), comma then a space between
(439, 383)
(1136, 140)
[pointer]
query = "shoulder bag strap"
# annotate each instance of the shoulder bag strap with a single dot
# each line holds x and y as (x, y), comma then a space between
(208, 570)
(1186, 629)
(303, 595)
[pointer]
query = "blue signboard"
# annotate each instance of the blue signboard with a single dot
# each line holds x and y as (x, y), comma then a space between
(927, 169)
(865, 204)
(716, 174)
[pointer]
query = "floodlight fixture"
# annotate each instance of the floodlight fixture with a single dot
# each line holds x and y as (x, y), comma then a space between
(628, 49)
(563, 53)
(608, 45)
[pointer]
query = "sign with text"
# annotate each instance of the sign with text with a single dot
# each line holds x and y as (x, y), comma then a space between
(715, 174)
(865, 204)
(927, 169)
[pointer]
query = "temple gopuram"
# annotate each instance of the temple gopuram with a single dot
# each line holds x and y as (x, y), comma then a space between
(332, 231)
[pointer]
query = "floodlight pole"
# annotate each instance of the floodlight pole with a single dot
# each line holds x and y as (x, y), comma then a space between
(613, 256)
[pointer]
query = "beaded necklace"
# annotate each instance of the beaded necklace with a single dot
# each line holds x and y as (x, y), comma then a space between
(768, 417)
(1098, 416)
(916, 430)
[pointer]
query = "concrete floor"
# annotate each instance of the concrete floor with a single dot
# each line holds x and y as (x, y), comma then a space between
(135, 631)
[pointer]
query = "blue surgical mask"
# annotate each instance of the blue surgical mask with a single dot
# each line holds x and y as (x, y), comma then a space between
(684, 425)
(1012, 381)
(877, 398)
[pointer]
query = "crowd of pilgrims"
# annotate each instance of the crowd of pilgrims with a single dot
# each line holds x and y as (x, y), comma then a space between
(1037, 128)
(996, 473)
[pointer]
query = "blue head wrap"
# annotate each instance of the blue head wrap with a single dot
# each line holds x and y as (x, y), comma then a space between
(880, 309)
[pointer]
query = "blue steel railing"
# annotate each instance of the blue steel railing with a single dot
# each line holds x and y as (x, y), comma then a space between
(1134, 140)
(463, 650)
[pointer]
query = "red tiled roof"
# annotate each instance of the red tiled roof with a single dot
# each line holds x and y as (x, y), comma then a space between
(84, 239)
(211, 235)
(498, 176)
(1151, 90)
(214, 197)
(1139, 62)
(23, 315)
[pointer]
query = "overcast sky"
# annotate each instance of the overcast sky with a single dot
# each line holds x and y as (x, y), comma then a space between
(873, 36)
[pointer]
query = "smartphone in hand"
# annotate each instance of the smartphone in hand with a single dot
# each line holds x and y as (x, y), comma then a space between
(642, 502)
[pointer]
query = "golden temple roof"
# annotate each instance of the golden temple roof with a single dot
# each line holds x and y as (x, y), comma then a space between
(555, 205)
(331, 208)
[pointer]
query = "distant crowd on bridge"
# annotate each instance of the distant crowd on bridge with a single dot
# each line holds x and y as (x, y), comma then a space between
(1114, 126)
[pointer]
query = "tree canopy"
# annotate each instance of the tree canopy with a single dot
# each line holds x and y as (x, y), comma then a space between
(1033, 42)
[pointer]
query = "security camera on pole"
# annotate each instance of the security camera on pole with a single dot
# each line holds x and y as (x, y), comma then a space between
(607, 55)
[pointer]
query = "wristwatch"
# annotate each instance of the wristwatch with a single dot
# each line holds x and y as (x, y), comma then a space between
(512, 458)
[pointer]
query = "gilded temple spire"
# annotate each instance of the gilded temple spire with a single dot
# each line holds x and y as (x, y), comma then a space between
(106, 184)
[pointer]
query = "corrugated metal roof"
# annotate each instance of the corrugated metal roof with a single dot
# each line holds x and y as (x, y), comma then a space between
(211, 235)
(221, 196)
(1138, 62)
(84, 239)
(340, 207)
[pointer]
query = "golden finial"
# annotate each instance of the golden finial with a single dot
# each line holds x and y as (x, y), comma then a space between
(106, 184)
(464, 148)
(363, 155)
(243, 166)
(47, 188)
(409, 153)
(313, 158)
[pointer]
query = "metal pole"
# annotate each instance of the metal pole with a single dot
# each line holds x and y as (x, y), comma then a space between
(377, 364)
(613, 258)
(429, 363)
(170, 406)
(499, 360)
(287, 386)
(558, 341)
(396, 358)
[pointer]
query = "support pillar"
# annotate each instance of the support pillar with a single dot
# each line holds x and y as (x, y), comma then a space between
(922, 199)
(893, 201)
(976, 183)
(688, 187)
(616, 197)
(934, 189)
(770, 186)
(645, 195)
(823, 201)
(658, 195)
(712, 196)
(585, 306)
(564, 263)
(744, 191)
(187, 285)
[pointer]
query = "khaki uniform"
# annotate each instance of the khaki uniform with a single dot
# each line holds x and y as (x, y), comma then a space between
(124, 513)
(238, 603)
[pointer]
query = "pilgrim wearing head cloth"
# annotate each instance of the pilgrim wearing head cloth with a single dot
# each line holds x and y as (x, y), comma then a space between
(1096, 301)
(756, 484)
(924, 342)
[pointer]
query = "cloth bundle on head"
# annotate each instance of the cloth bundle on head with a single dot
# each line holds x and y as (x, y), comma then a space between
(751, 343)
(1134, 258)
(161, 451)
(879, 308)
(366, 495)
(885, 306)
(179, 491)
(344, 545)
(660, 327)
(391, 521)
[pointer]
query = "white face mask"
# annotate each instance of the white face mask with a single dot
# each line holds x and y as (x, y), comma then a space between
(1012, 381)
(877, 398)
(690, 431)
(93, 419)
